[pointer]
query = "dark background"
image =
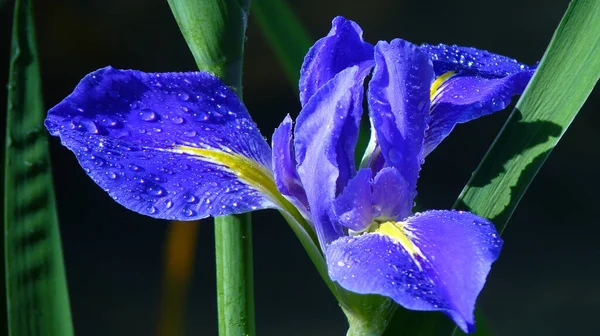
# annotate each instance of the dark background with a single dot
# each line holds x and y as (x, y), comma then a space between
(545, 283)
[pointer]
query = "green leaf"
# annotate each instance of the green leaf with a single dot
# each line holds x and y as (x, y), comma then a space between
(214, 31)
(284, 33)
(36, 289)
(565, 77)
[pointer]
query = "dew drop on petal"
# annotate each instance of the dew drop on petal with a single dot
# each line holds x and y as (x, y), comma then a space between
(177, 120)
(148, 115)
(155, 190)
(183, 96)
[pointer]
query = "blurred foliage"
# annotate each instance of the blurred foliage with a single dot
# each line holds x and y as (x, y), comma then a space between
(36, 290)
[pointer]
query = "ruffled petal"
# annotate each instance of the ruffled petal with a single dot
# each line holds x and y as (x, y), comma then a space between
(392, 198)
(284, 165)
(325, 136)
(473, 61)
(167, 145)
(436, 260)
(464, 98)
(343, 47)
(399, 105)
(353, 206)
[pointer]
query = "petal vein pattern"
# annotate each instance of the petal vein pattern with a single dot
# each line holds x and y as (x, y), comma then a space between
(167, 145)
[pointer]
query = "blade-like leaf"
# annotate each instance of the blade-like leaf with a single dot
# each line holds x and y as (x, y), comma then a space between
(36, 290)
(284, 33)
(566, 75)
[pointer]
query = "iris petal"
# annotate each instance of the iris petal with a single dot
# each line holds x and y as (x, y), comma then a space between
(168, 145)
(343, 47)
(353, 207)
(471, 60)
(284, 165)
(399, 105)
(392, 198)
(464, 98)
(443, 265)
(325, 136)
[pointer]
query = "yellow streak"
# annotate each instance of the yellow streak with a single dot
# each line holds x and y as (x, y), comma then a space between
(435, 86)
(247, 170)
(397, 232)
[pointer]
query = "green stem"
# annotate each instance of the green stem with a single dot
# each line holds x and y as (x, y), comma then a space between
(235, 295)
(214, 31)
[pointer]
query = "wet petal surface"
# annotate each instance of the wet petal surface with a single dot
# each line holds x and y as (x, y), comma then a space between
(464, 98)
(140, 136)
(325, 136)
(399, 105)
(343, 47)
(436, 260)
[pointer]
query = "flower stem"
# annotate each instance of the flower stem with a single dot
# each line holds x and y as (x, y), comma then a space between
(214, 31)
(235, 295)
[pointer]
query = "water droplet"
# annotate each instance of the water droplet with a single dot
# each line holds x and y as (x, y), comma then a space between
(177, 120)
(189, 212)
(152, 210)
(155, 190)
(109, 122)
(169, 204)
(200, 116)
(111, 175)
(189, 133)
(190, 198)
(394, 155)
(136, 168)
(341, 263)
(148, 115)
(85, 124)
(183, 96)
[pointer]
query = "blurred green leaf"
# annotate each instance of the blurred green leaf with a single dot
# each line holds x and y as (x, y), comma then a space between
(36, 290)
(284, 33)
(566, 76)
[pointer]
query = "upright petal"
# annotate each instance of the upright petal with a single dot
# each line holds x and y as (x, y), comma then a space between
(436, 260)
(284, 165)
(353, 207)
(399, 105)
(167, 145)
(463, 98)
(471, 60)
(325, 136)
(342, 48)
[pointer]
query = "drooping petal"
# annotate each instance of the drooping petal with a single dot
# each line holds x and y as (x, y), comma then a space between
(168, 145)
(436, 260)
(353, 207)
(463, 98)
(399, 105)
(473, 61)
(284, 164)
(392, 198)
(343, 47)
(325, 136)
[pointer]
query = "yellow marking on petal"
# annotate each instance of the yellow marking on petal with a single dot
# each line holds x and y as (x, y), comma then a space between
(246, 169)
(436, 85)
(398, 233)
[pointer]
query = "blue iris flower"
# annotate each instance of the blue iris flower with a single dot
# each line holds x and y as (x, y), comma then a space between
(183, 146)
